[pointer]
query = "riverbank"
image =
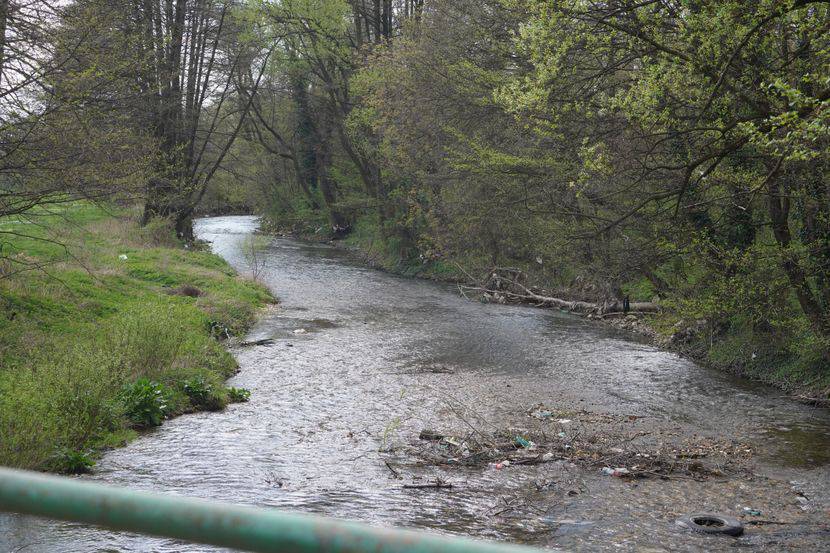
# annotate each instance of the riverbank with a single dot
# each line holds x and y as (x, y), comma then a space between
(735, 349)
(108, 328)
(360, 363)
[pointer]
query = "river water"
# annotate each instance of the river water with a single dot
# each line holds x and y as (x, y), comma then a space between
(351, 377)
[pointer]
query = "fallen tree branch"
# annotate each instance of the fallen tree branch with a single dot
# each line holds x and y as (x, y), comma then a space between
(262, 342)
(396, 473)
(433, 486)
(525, 294)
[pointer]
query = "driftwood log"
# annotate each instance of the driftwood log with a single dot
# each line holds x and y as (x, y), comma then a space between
(510, 283)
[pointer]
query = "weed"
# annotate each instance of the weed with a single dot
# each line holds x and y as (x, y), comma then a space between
(203, 395)
(238, 395)
(72, 461)
(145, 402)
(86, 349)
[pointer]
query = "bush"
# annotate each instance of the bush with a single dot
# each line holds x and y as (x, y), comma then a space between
(204, 395)
(238, 395)
(145, 402)
(160, 231)
(57, 404)
(72, 461)
(146, 340)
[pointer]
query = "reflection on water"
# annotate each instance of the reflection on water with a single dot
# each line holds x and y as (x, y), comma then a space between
(801, 444)
(376, 361)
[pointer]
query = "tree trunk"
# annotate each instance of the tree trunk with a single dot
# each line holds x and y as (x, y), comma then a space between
(4, 16)
(328, 187)
(779, 211)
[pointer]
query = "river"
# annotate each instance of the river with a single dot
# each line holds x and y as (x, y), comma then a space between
(363, 361)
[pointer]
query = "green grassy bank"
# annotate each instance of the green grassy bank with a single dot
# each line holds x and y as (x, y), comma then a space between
(110, 329)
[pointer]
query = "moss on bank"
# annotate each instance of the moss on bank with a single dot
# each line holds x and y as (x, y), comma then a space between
(118, 329)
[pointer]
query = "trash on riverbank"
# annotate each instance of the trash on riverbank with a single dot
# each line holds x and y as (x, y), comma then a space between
(611, 444)
(523, 442)
(712, 523)
(431, 435)
(438, 484)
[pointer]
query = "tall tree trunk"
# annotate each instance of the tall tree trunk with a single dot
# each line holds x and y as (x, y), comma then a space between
(386, 17)
(779, 211)
(4, 16)
(376, 16)
(328, 187)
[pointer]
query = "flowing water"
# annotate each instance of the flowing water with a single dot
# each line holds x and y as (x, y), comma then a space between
(360, 378)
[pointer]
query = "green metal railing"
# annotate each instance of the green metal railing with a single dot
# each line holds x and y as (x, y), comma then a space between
(212, 522)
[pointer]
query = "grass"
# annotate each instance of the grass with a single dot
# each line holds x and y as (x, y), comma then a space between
(78, 332)
(794, 364)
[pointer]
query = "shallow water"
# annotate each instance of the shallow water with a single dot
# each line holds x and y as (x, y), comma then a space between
(360, 379)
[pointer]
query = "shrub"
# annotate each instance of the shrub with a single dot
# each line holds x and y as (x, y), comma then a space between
(204, 395)
(145, 402)
(238, 395)
(55, 403)
(72, 461)
(227, 317)
(160, 231)
(146, 341)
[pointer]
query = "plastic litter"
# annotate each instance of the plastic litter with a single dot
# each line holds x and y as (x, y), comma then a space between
(563, 421)
(300, 331)
(619, 471)
(523, 442)
(752, 512)
(123, 257)
(431, 435)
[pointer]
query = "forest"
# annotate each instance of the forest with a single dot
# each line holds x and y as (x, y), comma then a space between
(670, 152)
(673, 154)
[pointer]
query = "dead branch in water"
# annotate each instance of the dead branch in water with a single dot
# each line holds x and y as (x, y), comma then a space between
(499, 284)
(433, 486)
(262, 342)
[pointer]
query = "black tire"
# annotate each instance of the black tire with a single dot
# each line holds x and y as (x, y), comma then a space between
(710, 523)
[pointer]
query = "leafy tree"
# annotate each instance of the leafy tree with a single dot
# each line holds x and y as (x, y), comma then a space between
(713, 116)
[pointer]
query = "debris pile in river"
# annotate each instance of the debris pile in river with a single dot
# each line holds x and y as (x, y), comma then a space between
(596, 441)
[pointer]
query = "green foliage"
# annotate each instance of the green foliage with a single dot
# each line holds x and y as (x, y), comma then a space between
(160, 231)
(604, 150)
(71, 461)
(204, 394)
(88, 352)
(238, 395)
(145, 402)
